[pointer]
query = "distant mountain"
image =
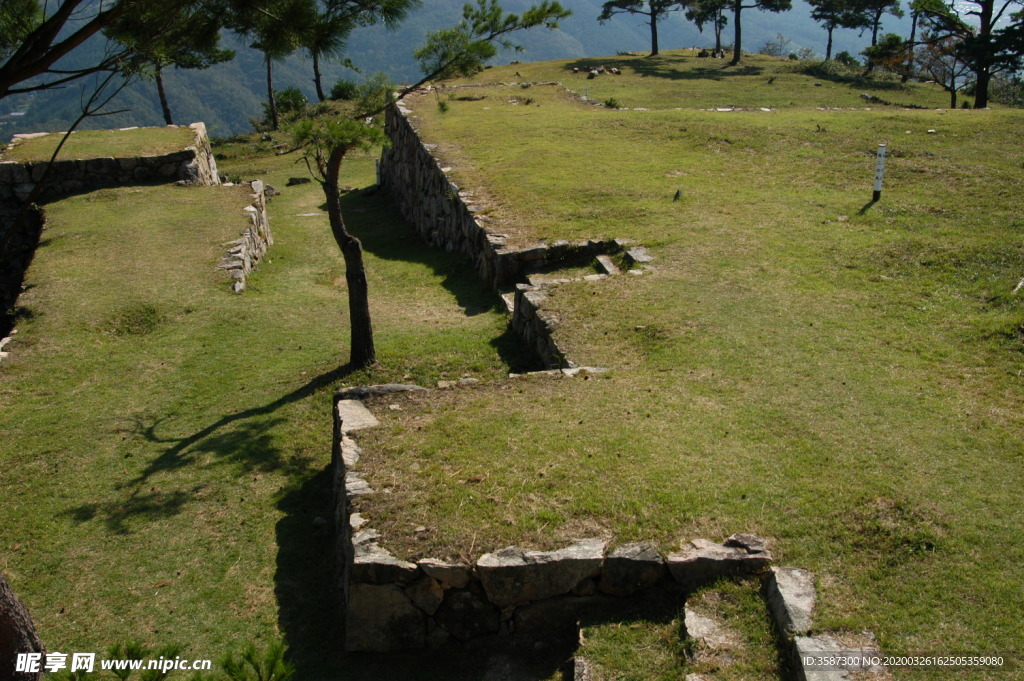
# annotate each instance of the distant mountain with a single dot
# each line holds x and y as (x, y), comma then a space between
(226, 96)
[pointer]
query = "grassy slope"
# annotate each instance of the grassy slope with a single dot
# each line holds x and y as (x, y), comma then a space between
(165, 439)
(822, 377)
(87, 144)
(838, 377)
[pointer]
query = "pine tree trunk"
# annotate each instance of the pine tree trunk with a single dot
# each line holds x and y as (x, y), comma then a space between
(654, 32)
(828, 47)
(362, 352)
(981, 83)
(718, 33)
(17, 635)
(738, 32)
(163, 96)
(271, 101)
(316, 77)
(983, 67)
(910, 53)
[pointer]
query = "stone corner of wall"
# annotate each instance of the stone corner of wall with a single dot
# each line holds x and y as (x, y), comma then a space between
(390, 604)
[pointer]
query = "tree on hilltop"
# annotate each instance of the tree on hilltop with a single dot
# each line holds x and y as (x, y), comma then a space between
(833, 14)
(654, 10)
(326, 140)
(737, 7)
(991, 43)
(334, 20)
(873, 11)
(704, 12)
(275, 29)
(194, 44)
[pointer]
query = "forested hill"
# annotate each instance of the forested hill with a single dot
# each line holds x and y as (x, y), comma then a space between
(226, 96)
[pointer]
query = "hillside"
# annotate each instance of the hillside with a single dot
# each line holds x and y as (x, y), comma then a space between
(226, 96)
(837, 375)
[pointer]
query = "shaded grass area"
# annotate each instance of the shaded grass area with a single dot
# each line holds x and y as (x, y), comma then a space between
(661, 648)
(678, 78)
(86, 144)
(165, 440)
(840, 377)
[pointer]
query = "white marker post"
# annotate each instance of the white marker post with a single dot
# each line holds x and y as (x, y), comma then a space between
(879, 172)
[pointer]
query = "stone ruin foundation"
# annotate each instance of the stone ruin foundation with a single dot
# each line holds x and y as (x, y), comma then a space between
(526, 598)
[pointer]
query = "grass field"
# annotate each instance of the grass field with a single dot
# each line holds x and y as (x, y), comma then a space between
(840, 377)
(165, 440)
(86, 144)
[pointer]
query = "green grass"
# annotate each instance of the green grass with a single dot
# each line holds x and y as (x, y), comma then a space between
(678, 78)
(655, 648)
(841, 378)
(86, 144)
(166, 441)
(837, 376)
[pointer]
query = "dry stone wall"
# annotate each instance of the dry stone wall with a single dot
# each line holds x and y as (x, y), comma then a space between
(522, 595)
(193, 165)
(446, 217)
(248, 250)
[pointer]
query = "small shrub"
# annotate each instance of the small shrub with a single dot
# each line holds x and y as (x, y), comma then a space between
(847, 59)
(442, 106)
(290, 100)
(612, 103)
(776, 47)
(252, 665)
(344, 90)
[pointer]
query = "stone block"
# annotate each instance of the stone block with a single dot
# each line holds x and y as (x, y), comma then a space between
(638, 255)
(631, 568)
(606, 265)
(860, 656)
(372, 564)
(790, 595)
(102, 166)
(380, 618)
(450, 575)
(466, 615)
(513, 576)
(704, 561)
(355, 416)
(426, 593)
(37, 170)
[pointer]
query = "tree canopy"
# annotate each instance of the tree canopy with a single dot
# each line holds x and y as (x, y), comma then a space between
(654, 10)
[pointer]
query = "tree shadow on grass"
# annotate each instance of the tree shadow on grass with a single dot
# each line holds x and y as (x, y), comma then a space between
(244, 439)
(668, 67)
(384, 233)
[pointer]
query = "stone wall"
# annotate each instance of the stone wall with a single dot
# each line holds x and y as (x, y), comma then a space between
(247, 251)
(19, 235)
(445, 217)
(193, 165)
(522, 595)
